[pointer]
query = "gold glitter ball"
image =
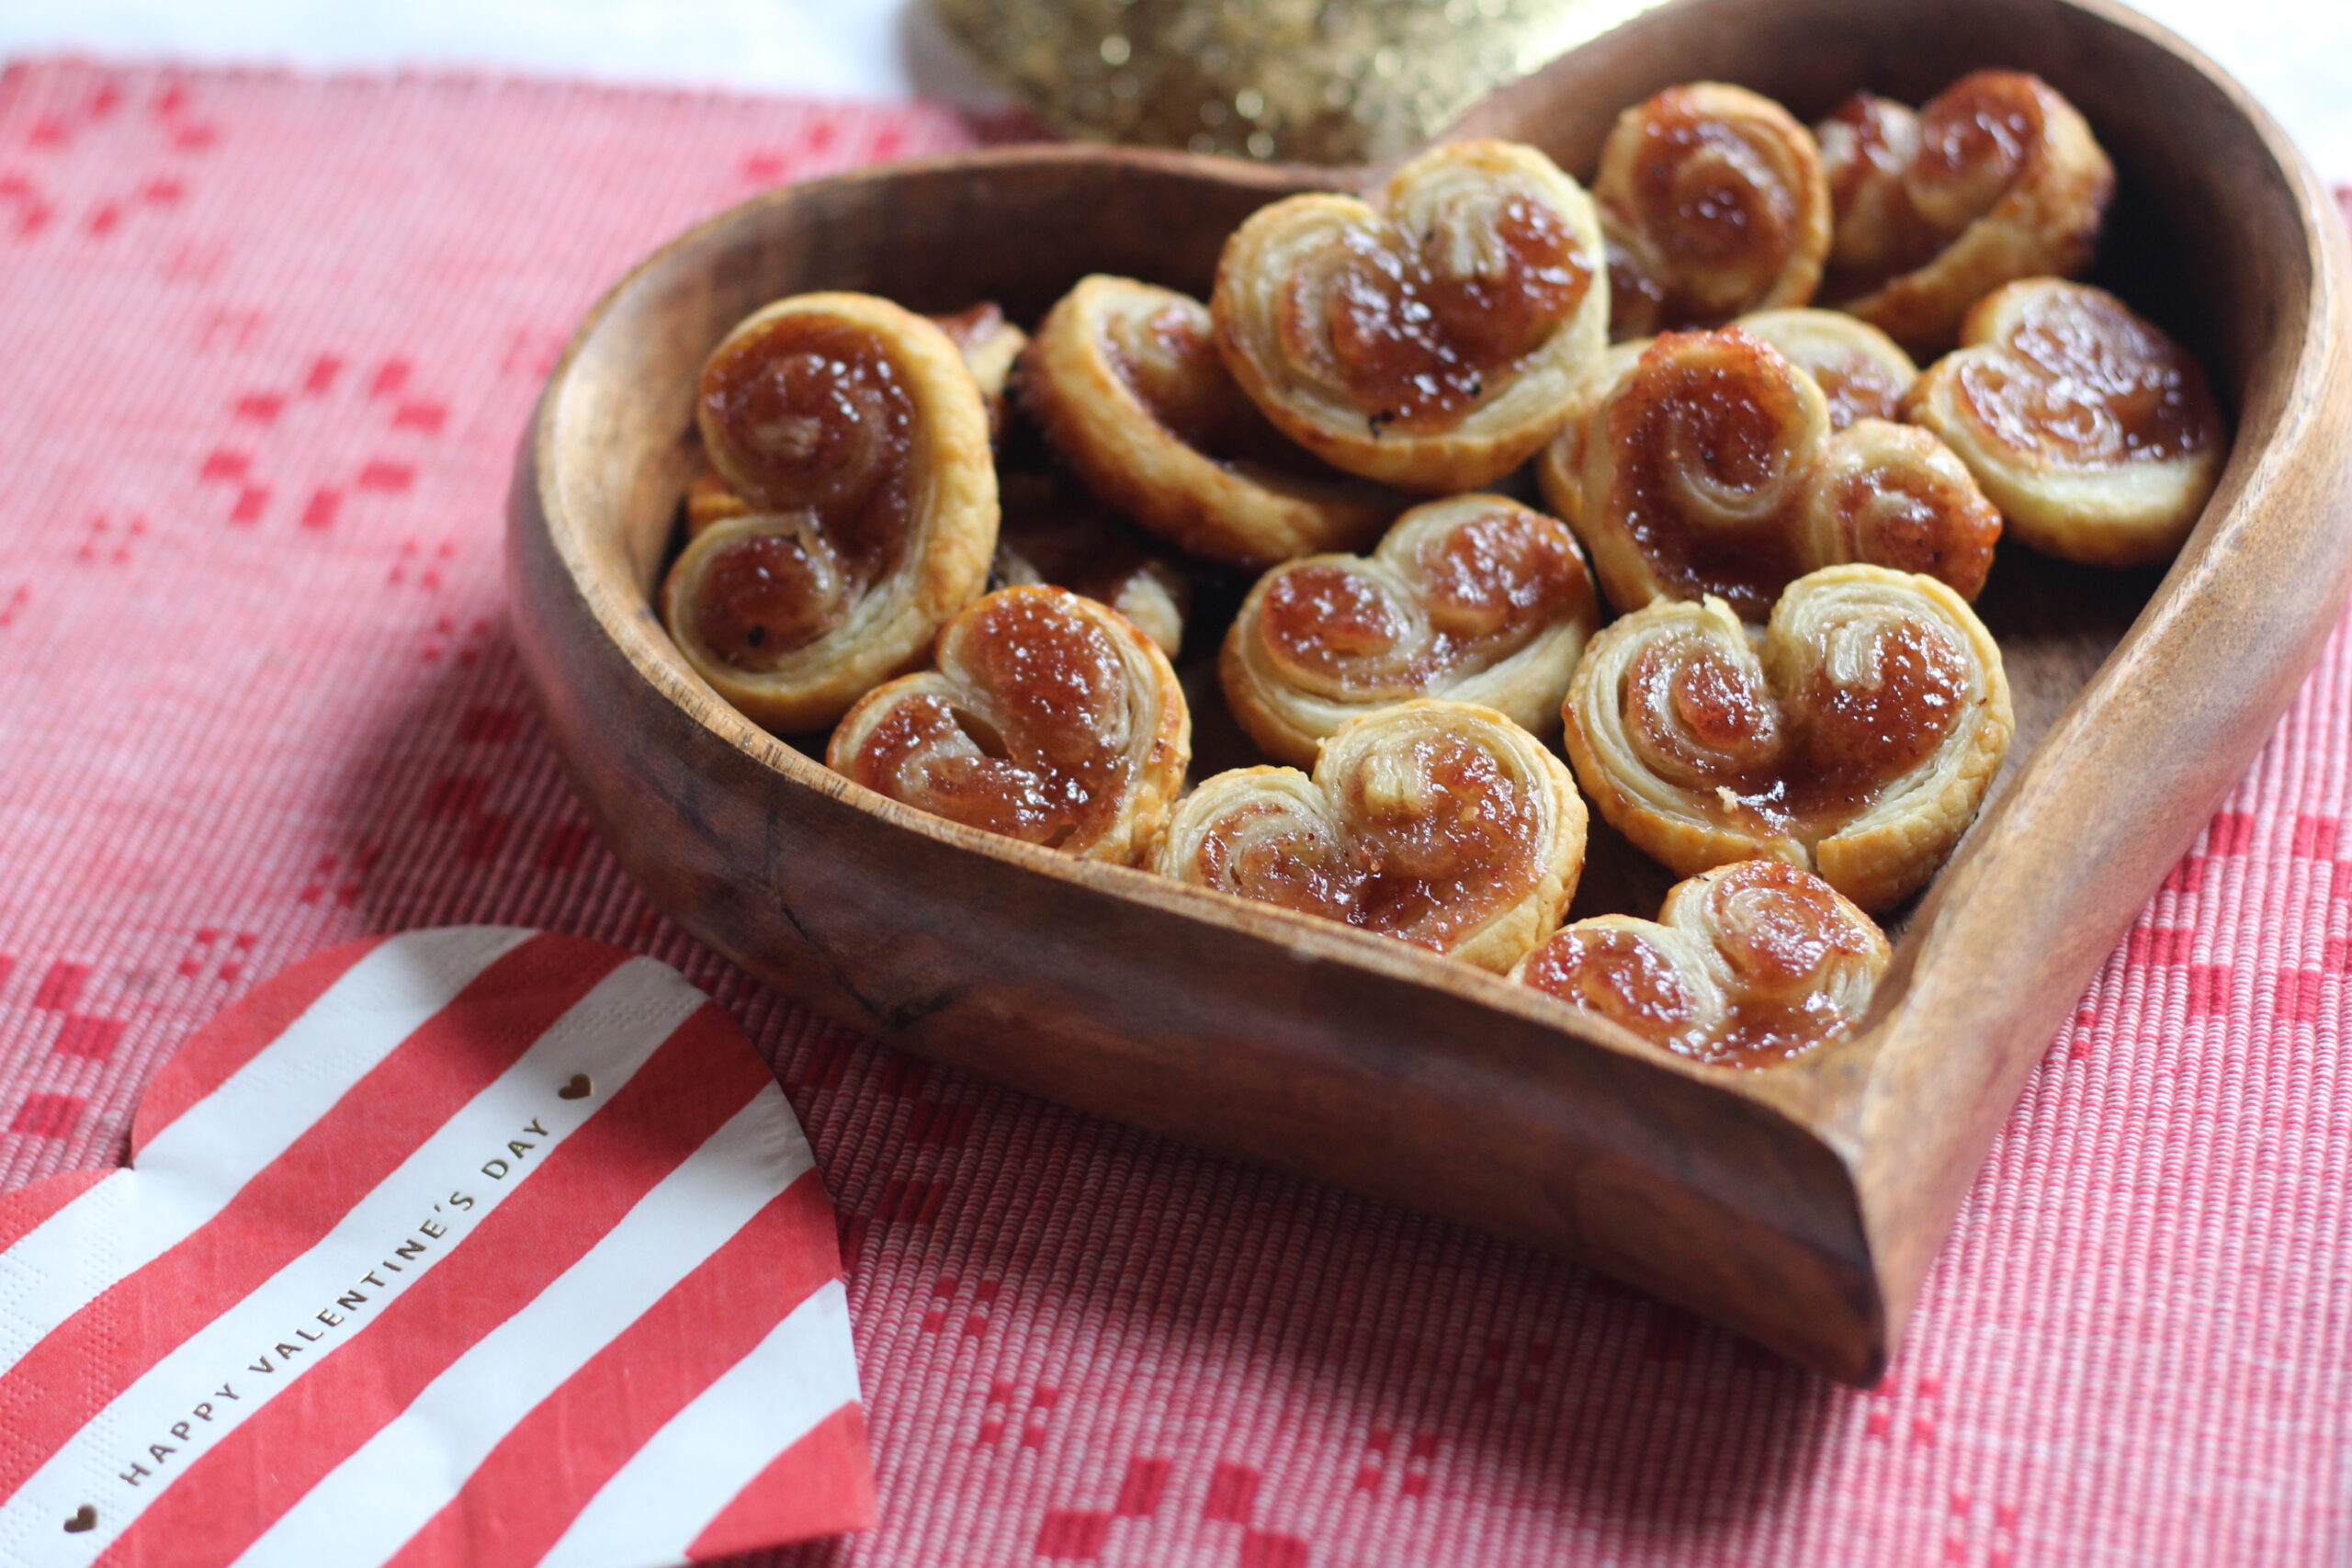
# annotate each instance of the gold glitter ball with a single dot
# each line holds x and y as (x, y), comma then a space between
(1310, 81)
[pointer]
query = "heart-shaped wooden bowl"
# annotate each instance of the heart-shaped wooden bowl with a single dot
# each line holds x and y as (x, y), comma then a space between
(1801, 1205)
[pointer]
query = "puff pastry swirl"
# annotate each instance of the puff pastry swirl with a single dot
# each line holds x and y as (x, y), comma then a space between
(1746, 966)
(1713, 467)
(1714, 204)
(1475, 598)
(1442, 824)
(858, 442)
(1125, 382)
(2094, 432)
(1432, 341)
(988, 343)
(1998, 177)
(1860, 371)
(1855, 736)
(1048, 718)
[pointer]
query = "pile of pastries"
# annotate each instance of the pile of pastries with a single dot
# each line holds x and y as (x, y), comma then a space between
(1650, 469)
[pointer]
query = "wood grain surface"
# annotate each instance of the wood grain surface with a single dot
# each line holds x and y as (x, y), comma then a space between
(1800, 1205)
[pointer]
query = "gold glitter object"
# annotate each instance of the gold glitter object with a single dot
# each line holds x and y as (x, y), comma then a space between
(1309, 81)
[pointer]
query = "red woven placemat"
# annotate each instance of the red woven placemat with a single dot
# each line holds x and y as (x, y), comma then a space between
(268, 343)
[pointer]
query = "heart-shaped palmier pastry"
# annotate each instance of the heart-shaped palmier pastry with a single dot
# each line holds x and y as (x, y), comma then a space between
(1475, 599)
(1055, 533)
(1861, 372)
(1856, 736)
(1125, 382)
(1713, 467)
(1997, 178)
(1714, 204)
(2092, 430)
(859, 439)
(1048, 718)
(1748, 964)
(1443, 824)
(1432, 342)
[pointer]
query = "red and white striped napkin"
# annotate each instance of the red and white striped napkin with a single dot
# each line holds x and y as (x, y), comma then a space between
(467, 1246)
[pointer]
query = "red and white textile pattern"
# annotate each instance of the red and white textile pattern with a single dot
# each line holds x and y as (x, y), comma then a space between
(461, 1247)
(269, 343)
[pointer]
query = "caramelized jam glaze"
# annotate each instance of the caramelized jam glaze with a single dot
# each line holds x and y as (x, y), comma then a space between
(1974, 140)
(1806, 761)
(1415, 337)
(2078, 380)
(1720, 202)
(1907, 186)
(813, 422)
(1857, 388)
(1867, 147)
(1166, 356)
(1756, 963)
(1626, 974)
(1723, 430)
(771, 593)
(1424, 841)
(1726, 476)
(1488, 586)
(1027, 736)
(1895, 496)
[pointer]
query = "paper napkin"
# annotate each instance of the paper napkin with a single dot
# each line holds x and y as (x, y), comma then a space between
(462, 1247)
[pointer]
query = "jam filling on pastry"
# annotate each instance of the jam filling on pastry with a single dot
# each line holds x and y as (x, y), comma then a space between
(1431, 339)
(1475, 598)
(1715, 203)
(1439, 838)
(1712, 449)
(1622, 973)
(851, 511)
(1857, 389)
(1442, 824)
(1127, 385)
(1872, 714)
(2081, 381)
(1893, 495)
(1860, 371)
(1996, 178)
(815, 425)
(1041, 763)
(1715, 466)
(1488, 586)
(1418, 327)
(771, 594)
(1747, 965)
(2094, 432)
(1854, 735)
(1048, 718)
(1168, 358)
(1906, 184)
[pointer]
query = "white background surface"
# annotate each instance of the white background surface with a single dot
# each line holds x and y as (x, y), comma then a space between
(2295, 54)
